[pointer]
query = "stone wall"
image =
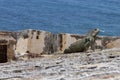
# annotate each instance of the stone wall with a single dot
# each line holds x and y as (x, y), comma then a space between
(42, 42)
(7, 46)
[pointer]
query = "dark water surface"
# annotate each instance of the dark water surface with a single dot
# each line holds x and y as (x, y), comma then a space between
(71, 16)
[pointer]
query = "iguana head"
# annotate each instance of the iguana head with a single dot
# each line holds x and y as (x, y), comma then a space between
(93, 32)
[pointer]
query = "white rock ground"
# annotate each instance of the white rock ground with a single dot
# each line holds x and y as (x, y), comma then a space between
(98, 65)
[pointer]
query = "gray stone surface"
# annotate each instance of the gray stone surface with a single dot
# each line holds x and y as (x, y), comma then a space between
(99, 65)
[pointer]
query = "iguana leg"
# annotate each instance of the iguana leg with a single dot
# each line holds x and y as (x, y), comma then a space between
(86, 46)
(93, 47)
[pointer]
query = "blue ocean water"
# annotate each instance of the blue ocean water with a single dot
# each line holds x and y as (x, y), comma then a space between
(70, 16)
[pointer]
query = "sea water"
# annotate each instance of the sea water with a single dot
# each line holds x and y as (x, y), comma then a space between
(61, 16)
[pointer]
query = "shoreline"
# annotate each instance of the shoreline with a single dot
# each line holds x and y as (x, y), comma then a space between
(14, 31)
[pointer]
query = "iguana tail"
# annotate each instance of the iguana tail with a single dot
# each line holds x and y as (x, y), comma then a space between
(67, 51)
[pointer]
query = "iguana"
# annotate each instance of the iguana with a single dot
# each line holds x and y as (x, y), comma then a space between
(83, 44)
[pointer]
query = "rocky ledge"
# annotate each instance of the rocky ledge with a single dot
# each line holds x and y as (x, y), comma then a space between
(98, 65)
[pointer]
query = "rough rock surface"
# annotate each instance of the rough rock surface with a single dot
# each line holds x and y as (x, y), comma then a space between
(98, 65)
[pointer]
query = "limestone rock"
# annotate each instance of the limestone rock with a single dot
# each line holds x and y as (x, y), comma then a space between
(114, 44)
